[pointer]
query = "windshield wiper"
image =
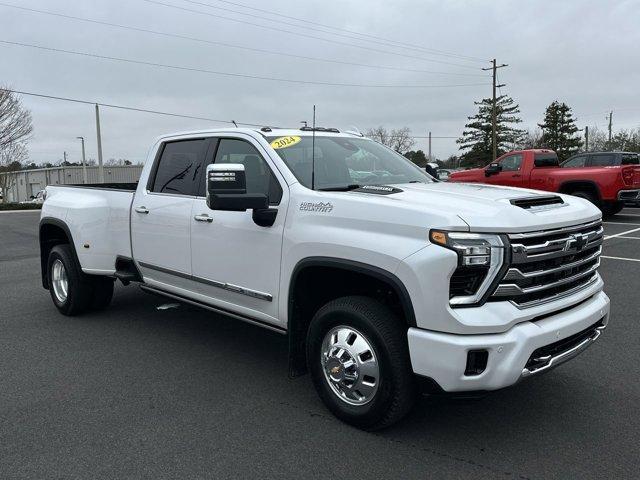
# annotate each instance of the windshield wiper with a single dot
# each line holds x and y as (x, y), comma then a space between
(341, 188)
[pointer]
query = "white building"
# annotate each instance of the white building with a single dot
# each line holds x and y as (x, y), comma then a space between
(23, 184)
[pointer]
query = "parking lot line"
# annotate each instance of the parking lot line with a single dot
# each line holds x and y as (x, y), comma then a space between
(630, 238)
(607, 237)
(622, 258)
(620, 223)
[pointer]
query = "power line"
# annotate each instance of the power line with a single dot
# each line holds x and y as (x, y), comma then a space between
(123, 107)
(384, 43)
(230, 45)
(200, 12)
(281, 15)
(229, 74)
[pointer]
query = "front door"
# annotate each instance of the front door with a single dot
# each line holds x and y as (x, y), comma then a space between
(161, 213)
(236, 263)
(511, 173)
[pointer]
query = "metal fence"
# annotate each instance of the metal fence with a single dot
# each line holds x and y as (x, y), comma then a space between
(23, 184)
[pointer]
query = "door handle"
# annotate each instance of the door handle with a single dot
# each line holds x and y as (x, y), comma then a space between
(203, 218)
(516, 175)
(142, 209)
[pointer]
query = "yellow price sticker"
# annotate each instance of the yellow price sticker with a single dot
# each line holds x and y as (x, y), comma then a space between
(284, 142)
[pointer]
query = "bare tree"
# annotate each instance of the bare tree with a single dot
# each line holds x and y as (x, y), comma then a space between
(15, 120)
(11, 158)
(399, 140)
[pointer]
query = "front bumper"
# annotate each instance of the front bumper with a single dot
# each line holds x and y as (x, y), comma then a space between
(443, 356)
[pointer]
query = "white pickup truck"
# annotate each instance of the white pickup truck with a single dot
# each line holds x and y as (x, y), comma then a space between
(386, 281)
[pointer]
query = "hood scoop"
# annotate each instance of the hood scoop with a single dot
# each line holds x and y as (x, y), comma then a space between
(541, 202)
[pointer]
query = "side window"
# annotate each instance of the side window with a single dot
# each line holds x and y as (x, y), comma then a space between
(260, 178)
(604, 160)
(575, 162)
(630, 159)
(179, 168)
(511, 163)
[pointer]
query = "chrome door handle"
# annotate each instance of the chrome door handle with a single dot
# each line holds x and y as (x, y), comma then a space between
(142, 210)
(203, 218)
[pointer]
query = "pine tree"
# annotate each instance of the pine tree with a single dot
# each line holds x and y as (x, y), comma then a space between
(476, 139)
(559, 131)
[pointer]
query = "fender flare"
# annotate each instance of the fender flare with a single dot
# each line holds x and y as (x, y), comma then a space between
(44, 257)
(297, 337)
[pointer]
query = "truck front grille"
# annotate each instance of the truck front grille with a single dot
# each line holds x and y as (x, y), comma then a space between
(551, 264)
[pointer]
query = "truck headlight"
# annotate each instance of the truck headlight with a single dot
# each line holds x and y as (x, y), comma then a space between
(480, 258)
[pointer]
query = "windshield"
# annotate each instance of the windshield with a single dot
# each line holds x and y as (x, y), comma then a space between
(345, 163)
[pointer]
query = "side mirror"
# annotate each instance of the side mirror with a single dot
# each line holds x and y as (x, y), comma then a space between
(227, 189)
(492, 169)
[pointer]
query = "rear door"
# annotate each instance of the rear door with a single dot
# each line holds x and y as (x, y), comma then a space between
(161, 212)
(511, 173)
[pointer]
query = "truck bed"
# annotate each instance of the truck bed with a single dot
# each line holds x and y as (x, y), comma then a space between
(97, 216)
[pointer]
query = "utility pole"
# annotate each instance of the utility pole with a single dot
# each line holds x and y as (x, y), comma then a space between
(64, 156)
(429, 146)
(610, 124)
(84, 162)
(100, 166)
(494, 68)
(586, 138)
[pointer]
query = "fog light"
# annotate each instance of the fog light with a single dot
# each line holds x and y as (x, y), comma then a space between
(476, 362)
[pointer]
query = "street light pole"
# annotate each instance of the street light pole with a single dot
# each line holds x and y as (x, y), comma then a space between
(100, 165)
(84, 162)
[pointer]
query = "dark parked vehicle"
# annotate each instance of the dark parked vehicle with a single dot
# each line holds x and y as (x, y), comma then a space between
(602, 159)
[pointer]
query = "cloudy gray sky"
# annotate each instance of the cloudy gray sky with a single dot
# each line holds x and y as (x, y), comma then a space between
(582, 52)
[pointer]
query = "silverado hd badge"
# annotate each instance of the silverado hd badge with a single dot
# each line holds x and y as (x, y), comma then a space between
(316, 207)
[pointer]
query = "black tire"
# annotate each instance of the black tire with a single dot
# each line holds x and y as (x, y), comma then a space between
(611, 208)
(396, 390)
(587, 196)
(102, 293)
(79, 285)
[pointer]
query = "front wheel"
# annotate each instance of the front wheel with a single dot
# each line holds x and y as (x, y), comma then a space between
(358, 357)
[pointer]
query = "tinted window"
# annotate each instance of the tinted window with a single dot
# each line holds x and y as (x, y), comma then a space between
(259, 177)
(575, 162)
(602, 160)
(179, 168)
(545, 160)
(511, 163)
(630, 159)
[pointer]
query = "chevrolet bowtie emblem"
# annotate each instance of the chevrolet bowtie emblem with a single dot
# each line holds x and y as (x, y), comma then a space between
(577, 242)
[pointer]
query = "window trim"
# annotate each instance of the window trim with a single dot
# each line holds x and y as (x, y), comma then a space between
(218, 141)
(156, 163)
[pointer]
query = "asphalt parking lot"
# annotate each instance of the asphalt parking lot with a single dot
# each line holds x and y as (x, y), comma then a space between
(134, 392)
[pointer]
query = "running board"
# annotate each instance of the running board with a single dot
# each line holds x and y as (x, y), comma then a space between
(220, 311)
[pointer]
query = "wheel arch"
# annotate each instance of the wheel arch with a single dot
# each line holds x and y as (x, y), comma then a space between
(345, 274)
(52, 232)
(576, 185)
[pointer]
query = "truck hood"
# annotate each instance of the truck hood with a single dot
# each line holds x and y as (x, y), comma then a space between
(487, 208)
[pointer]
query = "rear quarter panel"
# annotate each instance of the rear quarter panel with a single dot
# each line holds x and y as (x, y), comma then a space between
(98, 221)
(608, 180)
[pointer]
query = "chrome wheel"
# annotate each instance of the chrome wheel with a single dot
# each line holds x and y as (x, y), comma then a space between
(350, 365)
(59, 280)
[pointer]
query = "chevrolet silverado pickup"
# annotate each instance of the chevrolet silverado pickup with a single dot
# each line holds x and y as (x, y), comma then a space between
(607, 185)
(386, 281)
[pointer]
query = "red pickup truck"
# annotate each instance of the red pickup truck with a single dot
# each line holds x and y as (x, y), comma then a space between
(608, 187)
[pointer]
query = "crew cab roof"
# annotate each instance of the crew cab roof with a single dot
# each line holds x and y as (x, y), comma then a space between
(273, 132)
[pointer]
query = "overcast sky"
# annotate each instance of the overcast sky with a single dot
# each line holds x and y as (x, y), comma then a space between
(585, 53)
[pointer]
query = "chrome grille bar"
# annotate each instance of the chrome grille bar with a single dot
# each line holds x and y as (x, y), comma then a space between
(515, 273)
(509, 289)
